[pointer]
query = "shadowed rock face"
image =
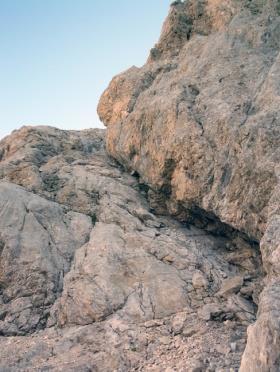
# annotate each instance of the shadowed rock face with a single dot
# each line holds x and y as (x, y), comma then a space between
(199, 122)
(92, 279)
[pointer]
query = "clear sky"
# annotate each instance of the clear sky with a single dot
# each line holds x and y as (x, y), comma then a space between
(57, 56)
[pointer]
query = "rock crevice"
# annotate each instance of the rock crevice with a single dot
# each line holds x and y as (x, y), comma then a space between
(157, 248)
(94, 255)
(207, 132)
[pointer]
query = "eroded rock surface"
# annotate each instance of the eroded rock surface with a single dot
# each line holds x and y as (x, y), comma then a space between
(92, 280)
(199, 122)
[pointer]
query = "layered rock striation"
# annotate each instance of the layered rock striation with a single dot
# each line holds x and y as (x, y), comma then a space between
(199, 122)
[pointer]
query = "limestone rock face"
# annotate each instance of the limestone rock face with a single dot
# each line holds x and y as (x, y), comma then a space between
(158, 268)
(92, 279)
(38, 239)
(200, 123)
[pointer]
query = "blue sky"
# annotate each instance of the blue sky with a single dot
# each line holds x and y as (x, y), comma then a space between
(57, 56)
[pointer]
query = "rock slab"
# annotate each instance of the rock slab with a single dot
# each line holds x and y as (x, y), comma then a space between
(92, 279)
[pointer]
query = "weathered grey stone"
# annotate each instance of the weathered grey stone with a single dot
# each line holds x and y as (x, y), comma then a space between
(203, 113)
(231, 285)
(39, 239)
(87, 263)
(210, 311)
(199, 280)
(94, 275)
(264, 335)
(199, 122)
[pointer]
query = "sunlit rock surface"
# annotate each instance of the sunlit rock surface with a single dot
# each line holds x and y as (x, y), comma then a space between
(92, 280)
(199, 122)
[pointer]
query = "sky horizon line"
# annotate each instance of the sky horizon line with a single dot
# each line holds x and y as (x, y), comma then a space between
(57, 58)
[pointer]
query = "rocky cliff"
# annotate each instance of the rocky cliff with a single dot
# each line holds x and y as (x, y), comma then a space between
(199, 122)
(92, 280)
(157, 248)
